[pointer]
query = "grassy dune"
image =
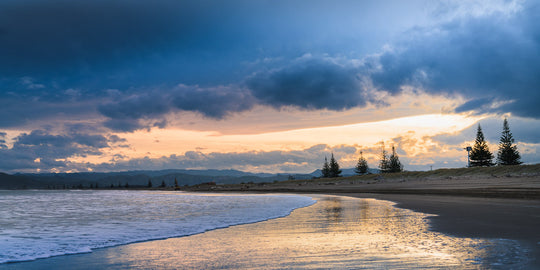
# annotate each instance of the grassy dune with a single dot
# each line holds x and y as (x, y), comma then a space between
(521, 181)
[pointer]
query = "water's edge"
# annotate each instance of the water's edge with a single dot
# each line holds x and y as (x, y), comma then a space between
(249, 221)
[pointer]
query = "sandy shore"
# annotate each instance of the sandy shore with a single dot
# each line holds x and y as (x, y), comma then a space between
(525, 186)
(346, 233)
(477, 217)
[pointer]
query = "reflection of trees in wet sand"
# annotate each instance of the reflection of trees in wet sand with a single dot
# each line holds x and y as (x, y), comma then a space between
(333, 208)
(386, 219)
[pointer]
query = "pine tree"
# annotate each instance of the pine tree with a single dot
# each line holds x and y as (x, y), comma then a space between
(508, 153)
(394, 165)
(361, 166)
(163, 184)
(384, 163)
(334, 167)
(149, 183)
(325, 169)
(176, 186)
(480, 154)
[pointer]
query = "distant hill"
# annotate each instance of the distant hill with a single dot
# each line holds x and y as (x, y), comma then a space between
(18, 182)
(138, 178)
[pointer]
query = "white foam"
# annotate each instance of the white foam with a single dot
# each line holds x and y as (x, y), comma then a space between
(41, 224)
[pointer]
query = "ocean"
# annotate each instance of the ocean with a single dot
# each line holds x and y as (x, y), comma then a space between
(38, 224)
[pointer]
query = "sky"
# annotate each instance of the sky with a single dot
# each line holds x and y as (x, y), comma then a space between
(263, 86)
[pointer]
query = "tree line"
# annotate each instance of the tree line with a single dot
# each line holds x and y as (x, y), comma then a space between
(479, 156)
(387, 164)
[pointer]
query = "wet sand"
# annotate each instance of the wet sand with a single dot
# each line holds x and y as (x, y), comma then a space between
(342, 232)
(476, 217)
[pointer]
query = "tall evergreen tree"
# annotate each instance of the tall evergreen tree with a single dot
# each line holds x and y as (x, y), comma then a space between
(334, 167)
(508, 153)
(163, 184)
(361, 166)
(384, 163)
(325, 169)
(149, 183)
(480, 154)
(394, 165)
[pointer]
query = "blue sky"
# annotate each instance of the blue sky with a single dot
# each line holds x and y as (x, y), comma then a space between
(97, 85)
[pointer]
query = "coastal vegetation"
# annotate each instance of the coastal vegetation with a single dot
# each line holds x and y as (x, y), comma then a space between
(508, 153)
(362, 166)
(480, 155)
(330, 169)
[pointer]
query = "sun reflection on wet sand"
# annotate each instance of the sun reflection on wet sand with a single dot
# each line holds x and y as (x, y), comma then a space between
(336, 232)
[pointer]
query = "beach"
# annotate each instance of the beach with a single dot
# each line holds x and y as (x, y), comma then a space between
(478, 217)
(354, 231)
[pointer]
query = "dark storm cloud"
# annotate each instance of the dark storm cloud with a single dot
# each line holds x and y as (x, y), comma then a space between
(308, 83)
(103, 44)
(129, 113)
(17, 111)
(49, 46)
(38, 138)
(492, 60)
(216, 102)
(312, 83)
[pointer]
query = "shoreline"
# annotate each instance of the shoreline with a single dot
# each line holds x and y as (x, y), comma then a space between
(469, 217)
(475, 217)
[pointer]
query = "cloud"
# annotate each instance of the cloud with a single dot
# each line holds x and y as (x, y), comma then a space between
(30, 109)
(144, 109)
(479, 104)
(102, 44)
(491, 55)
(2, 140)
(261, 161)
(116, 139)
(309, 83)
(40, 149)
(524, 130)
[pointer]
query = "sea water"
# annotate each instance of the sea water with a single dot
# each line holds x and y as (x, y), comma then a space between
(41, 223)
